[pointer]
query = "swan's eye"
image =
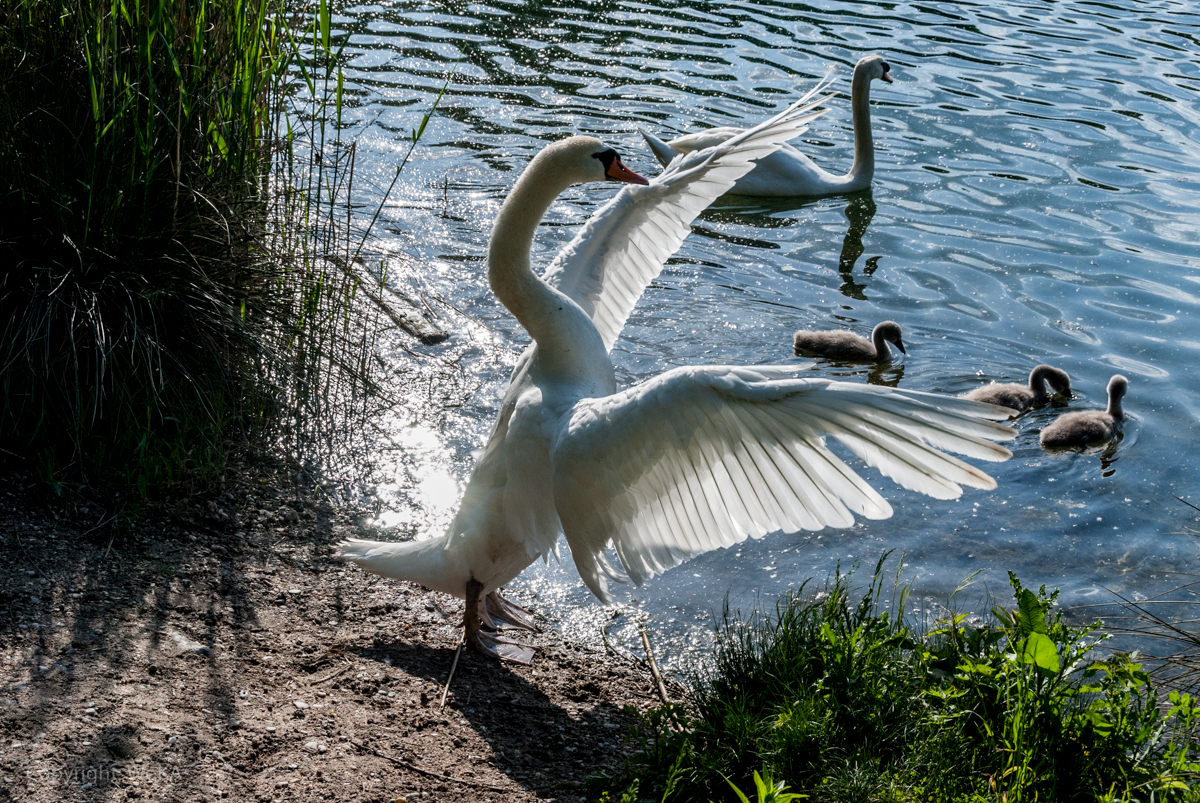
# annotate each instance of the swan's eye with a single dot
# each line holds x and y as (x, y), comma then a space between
(606, 158)
(886, 67)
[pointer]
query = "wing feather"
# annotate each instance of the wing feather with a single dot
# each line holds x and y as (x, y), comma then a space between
(696, 520)
(890, 444)
(701, 458)
(815, 502)
(718, 482)
(625, 244)
(735, 459)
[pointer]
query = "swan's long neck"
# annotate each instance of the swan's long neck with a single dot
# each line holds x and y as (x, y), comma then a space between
(882, 352)
(1114, 404)
(512, 280)
(863, 169)
(1037, 381)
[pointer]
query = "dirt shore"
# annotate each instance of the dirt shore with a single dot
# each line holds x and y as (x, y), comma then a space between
(219, 652)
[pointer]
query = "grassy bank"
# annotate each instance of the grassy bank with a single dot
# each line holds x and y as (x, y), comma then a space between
(846, 701)
(167, 290)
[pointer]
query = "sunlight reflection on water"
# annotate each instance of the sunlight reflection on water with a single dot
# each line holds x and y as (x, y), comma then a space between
(424, 477)
(1036, 199)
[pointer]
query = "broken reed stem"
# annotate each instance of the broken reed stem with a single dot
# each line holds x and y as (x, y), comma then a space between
(453, 666)
(662, 689)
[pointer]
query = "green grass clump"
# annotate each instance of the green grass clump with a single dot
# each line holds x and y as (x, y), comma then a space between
(844, 701)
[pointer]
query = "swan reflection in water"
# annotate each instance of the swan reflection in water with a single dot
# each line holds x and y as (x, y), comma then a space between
(781, 214)
(888, 375)
(859, 211)
(884, 374)
(1108, 457)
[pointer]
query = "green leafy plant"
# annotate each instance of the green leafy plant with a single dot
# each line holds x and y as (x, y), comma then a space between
(1052, 722)
(844, 700)
(767, 791)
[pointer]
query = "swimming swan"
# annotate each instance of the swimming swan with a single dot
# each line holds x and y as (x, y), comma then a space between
(693, 459)
(844, 346)
(788, 172)
(1021, 397)
(1089, 427)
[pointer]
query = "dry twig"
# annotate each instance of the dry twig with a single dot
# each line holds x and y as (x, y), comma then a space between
(331, 675)
(402, 763)
(453, 666)
(662, 689)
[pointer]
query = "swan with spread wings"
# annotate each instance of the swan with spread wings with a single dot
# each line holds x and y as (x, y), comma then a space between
(696, 458)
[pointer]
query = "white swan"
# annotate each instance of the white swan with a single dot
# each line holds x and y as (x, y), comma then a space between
(788, 172)
(1089, 427)
(1021, 397)
(691, 460)
(844, 346)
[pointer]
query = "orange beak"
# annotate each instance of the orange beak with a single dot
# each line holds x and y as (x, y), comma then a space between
(619, 172)
(886, 77)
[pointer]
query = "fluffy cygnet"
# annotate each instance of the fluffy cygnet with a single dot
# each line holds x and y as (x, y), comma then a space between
(1020, 397)
(1091, 426)
(848, 347)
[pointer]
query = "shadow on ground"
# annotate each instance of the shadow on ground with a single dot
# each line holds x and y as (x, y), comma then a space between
(218, 651)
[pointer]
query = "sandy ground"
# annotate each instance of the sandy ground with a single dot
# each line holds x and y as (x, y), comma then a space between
(219, 652)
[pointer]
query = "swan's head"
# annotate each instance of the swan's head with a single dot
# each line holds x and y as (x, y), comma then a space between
(1060, 382)
(583, 159)
(889, 331)
(872, 67)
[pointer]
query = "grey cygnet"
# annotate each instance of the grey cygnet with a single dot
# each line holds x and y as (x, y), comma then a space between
(1021, 397)
(845, 346)
(1090, 426)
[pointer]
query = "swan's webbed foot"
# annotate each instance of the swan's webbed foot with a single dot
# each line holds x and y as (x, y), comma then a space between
(500, 613)
(499, 647)
(485, 616)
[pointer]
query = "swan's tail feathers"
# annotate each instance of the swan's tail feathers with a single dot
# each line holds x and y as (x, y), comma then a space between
(663, 152)
(422, 562)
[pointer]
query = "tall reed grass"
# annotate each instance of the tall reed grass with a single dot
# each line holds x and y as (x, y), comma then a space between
(176, 276)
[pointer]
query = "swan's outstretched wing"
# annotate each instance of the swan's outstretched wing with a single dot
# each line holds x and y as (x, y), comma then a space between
(625, 244)
(699, 458)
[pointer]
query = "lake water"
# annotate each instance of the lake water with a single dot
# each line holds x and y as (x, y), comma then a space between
(1036, 199)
